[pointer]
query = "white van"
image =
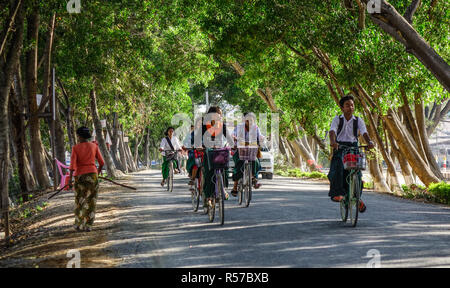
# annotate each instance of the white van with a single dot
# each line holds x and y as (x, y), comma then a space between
(267, 163)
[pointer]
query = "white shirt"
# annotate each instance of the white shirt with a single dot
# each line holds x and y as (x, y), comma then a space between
(346, 134)
(165, 145)
(251, 136)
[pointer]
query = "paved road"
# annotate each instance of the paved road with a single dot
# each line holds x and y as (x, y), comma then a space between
(290, 223)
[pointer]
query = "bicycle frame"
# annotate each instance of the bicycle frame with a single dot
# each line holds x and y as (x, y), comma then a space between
(352, 197)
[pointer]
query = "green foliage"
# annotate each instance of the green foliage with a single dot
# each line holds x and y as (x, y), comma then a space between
(441, 191)
(297, 173)
(436, 192)
(368, 185)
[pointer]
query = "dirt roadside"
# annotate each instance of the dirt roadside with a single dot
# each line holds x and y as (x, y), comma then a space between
(45, 239)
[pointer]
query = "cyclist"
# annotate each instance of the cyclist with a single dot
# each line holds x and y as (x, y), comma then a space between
(344, 130)
(242, 133)
(213, 134)
(188, 143)
(170, 142)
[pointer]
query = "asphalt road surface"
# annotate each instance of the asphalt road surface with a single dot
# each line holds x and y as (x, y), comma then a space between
(290, 223)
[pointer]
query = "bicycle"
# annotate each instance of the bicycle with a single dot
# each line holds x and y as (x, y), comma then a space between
(218, 160)
(355, 161)
(245, 183)
(171, 155)
(198, 187)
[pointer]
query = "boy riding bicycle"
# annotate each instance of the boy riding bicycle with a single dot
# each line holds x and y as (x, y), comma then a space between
(344, 131)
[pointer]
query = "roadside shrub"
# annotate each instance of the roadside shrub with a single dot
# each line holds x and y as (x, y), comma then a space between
(441, 192)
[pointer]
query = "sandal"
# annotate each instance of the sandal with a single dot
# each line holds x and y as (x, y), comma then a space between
(362, 207)
(337, 198)
(255, 183)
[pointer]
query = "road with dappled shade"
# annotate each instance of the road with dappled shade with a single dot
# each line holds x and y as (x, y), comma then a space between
(290, 223)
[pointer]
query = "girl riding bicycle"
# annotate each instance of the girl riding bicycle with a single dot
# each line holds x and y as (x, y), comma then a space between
(169, 143)
(246, 132)
(344, 130)
(213, 135)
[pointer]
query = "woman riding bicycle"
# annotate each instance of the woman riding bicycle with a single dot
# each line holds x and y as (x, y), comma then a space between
(169, 143)
(344, 131)
(214, 134)
(246, 132)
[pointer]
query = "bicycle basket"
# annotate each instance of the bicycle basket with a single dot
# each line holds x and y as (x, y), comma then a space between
(219, 158)
(247, 153)
(354, 160)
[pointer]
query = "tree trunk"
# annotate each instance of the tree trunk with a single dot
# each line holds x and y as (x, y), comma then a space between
(68, 112)
(37, 149)
(113, 133)
(420, 116)
(409, 150)
(123, 155)
(406, 169)
(295, 152)
(26, 178)
(8, 66)
(373, 133)
(379, 182)
(136, 150)
(9, 24)
(146, 146)
(438, 116)
(413, 125)
(130, 158)
(110, 168)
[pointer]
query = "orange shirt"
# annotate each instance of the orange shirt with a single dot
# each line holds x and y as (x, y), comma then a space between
(83, 158)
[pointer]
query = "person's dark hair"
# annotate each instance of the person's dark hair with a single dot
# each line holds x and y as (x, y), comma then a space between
(214, 109)
(346, 98)
(167, 130)
(84, 132)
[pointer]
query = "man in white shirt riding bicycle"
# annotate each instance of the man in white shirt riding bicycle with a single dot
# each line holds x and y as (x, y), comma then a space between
(344, 130)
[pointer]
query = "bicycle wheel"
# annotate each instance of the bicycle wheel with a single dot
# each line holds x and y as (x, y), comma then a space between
(195, 195)
(240, 191)
(353, 200)
(248, 188)
(171, 177)
(220, 197)
(344, 210)
(355, 195)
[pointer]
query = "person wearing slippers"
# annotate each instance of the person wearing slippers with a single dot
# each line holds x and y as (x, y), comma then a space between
(344, 130)
(246, 132)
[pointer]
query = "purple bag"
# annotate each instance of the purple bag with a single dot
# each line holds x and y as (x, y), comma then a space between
(219, 158)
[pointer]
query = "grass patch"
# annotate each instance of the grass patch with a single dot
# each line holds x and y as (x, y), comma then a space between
(297, 173)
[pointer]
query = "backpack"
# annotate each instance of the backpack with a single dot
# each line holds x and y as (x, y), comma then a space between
(341, 125)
